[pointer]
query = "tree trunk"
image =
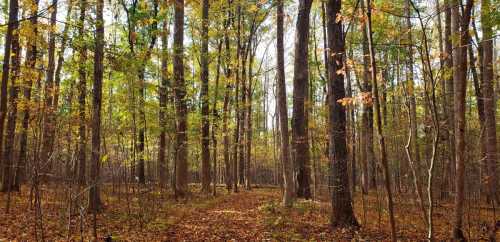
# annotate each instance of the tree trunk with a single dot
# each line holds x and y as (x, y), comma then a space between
(489, 100)
(181, 175)
(342, 212)
(48, 122)
(225, 113)
(11, 27)
(460, 25)
(162, 162)
(205, 122)
(283, 112)
(8, 152)
(300, 87)
(94, 194)
(82, 88)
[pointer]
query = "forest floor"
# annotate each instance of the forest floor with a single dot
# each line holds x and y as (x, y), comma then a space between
(152, 215)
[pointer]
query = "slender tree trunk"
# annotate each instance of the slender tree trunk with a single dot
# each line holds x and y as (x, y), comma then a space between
(300, 87)
(225, 112)
(205, 122)
(215, 117)
(342, 212)
(94, 194)
(82, 88)
(381, 139)
(48, 121)
(460, 25)
(181, 176)
(162, 162)
(449, 113)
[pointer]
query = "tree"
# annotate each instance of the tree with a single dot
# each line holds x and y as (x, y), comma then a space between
(460, 26)
(94, 193)
(205, 123)
(11, 27)
(48, 124)
(489, 99)
(15, 57)
(342, 211)
(300, 86)
(283, 112)
(162, 163)
(181, 173)
(82, 94)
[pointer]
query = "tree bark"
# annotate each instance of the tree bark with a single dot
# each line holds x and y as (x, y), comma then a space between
(283, 112)
(15, 55)
(48, 121)
(82, 89)
(181, 173)
(12, 26)
(162, 162)
(460, 25)
(342, 212)
(205, 122)
(94, 191)
(489, 99)
(300, 87)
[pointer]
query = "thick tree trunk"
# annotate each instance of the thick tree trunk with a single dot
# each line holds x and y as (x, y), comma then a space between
(11, 27)
(300, 87)
(181, 173)
(283, 112)
(82, 95)
(205, 122)
(460, 25)
(8, 152)
(342, 211)
(94, 194)
(489, 100)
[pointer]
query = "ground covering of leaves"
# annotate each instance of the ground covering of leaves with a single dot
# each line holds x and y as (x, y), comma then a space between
(152, 215)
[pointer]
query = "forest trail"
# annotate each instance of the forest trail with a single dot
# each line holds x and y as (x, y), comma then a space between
(235, 216)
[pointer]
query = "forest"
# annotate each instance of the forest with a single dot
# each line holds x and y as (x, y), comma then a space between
(249, 120)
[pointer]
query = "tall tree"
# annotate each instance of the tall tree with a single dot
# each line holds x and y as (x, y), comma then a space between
(94, 197)
(460, 26)
(162, 163)
(342, 211)
(82, 95)
(300, 86)
(289, 184)
(205, 123)
(48, 121)
(8, 152)
(181, 173)
(12, 26)
(489, 99)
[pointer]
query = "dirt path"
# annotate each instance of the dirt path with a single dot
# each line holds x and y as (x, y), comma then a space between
(229, 217)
